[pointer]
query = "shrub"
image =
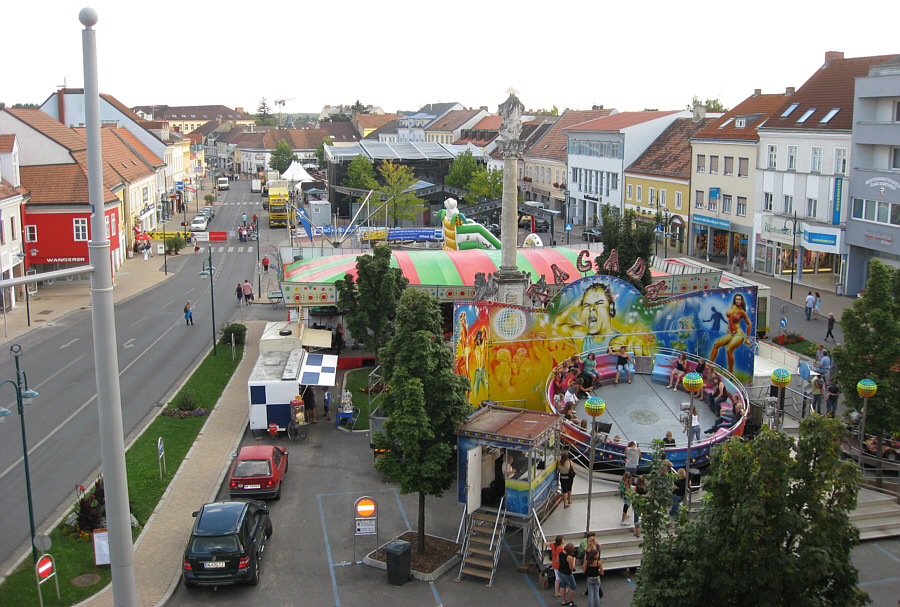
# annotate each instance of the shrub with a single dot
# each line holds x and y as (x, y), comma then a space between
(238, 330)
(174, 243)
(186, 401)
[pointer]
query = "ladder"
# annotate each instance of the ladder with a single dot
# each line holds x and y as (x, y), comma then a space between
(481, 549)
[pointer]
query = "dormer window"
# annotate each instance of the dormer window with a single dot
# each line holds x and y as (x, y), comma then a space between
(829, 115)
(740, 123)
(790, 109)
(806, 115)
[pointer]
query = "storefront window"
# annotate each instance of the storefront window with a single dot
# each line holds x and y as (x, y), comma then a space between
(883, 211)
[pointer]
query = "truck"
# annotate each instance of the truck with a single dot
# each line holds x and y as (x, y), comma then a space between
(279, 199)
(256, 185)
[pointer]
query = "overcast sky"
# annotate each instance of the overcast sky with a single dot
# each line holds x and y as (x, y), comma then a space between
(400, 54)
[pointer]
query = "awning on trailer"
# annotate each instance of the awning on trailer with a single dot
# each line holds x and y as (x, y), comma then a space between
(316, 338)
(318, 369)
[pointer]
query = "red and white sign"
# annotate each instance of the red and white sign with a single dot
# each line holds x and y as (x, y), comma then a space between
(45, 567)
(365, 507)
(218, 236)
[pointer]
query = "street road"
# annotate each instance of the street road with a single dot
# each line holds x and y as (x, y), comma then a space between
(156, 351)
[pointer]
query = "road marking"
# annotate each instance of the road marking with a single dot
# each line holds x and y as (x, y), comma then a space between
(231, 249)
(68, 344)
(129, 343)
(66, 421)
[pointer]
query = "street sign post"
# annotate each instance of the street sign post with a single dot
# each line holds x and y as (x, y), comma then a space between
(568, 227)
(179, 185)
(366, 517)
(44, 570)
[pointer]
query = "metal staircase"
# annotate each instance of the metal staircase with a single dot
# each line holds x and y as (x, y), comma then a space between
(481, 548)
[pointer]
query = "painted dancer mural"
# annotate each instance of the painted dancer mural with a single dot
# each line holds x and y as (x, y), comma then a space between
(511, 351)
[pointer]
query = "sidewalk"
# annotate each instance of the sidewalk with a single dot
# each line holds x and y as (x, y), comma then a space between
(158, 551)
(52, 302)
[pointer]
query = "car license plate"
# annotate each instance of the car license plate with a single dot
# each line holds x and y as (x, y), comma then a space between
(251, 486)
(214, 564)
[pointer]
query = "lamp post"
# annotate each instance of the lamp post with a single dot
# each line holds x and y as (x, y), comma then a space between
(24, 396)
(781, 379)
(692, 382)
(665, 233)
(208, 270)
(865, 388)
(23, 256)
(593, 406)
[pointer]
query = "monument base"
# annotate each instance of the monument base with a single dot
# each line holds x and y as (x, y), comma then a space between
(511, 287)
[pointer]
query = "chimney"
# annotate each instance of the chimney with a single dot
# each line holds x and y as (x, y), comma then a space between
(596, 107)
(699, 113)
(239, 110)
(757, 92)
(832, 55)
(789, 90)
(61, 105)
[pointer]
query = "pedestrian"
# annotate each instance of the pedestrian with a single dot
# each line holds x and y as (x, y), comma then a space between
(817, 305)
(196, 248)
(566, 477)
(244, 219)
(566, 576)
(239, 291)
(326, 403)
(557, 549)
(678, 492)
(248, 292)
(640, 488)
(632, 458)
(265, 262)
(626, 492)
(593, 569)
(338, 339)
(255, 219)
(188, 314)
(146, 253)
(830, 332)
(817, 385)
(834, 391)
(810, 302)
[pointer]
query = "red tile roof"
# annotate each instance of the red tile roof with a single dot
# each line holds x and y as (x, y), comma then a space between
(552, 146)
(756, 108)
(6, 143)
(452, 120)
(135, 144)
(373, 121)
(670, 154)
(620, 121)
(830, 87)
(59, 184)
(489, 123)
(7, 190)
(50, 127)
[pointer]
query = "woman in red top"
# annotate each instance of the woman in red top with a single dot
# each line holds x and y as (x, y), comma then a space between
(555, 549)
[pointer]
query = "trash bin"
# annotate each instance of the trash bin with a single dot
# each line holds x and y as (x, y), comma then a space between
(398, 554)
(838, 288)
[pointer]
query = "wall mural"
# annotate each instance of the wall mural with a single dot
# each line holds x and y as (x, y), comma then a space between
(508, 352)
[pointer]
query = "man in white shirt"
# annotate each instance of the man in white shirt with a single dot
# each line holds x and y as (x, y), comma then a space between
(810, 302)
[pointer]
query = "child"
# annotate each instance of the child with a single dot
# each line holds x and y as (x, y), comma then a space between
(327, 405)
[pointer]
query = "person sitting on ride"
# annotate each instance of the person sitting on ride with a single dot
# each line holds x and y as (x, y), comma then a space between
(718, 396)
(590, 364)
(558, 385)
(624, 362)
(726, 420)
(678, 372)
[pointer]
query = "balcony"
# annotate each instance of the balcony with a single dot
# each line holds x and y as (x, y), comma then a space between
(876, 133)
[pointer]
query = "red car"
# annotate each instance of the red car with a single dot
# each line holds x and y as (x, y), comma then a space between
(258, 471)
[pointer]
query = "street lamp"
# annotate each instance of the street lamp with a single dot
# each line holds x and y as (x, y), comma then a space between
(208, 270)
(24, 396)
(781, 379)
(692, 382)
(865, 388)
(593, 406)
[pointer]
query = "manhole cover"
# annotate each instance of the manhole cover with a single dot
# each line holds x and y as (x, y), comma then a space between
(46, 312)
(86, 579)
(644, 418)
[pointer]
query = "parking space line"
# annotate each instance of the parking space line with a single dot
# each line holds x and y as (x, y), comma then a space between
(402, 511)
(878, 546)
(334, 590)
(524, 575)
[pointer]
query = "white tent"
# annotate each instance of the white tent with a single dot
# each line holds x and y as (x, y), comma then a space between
(296, 173)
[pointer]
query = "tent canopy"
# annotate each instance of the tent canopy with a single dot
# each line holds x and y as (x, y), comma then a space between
(296, 172)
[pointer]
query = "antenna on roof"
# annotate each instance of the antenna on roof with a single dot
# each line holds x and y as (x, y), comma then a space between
(63, 85)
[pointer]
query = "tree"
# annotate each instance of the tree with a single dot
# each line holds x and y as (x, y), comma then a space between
(371, 302)
(461, 171)
(360, 174)
(340, 117)
(486, 184)
(426, 404)
(358, 108)
(264, 115)
(871, 350)
(711, 105)
(397, 191)
(773, 529)
(282, 157)
(320, 152)
(629, 239)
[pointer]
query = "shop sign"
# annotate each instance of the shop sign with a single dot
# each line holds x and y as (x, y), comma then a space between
(782, 234)
(821, 239)
(838, 191)
(714, 222)
(714, 193)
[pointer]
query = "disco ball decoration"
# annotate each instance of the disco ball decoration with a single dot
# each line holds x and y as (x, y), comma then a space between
(692, 382)
(594, 406)
(866, 388)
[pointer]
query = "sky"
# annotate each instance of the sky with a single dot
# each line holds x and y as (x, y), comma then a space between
(400, 55)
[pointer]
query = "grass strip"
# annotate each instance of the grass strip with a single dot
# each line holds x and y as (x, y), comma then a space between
(74, 552)
(355, 380)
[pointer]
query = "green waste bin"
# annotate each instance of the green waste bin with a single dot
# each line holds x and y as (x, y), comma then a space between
(398, 555)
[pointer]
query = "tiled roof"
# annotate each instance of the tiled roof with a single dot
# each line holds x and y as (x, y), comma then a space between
(59, 184)
(135, 144)
(452, 120)
(123, 160)
(387, 127)
(374, 121)
(7, 190)
(552, 145)
(670, 154)
(531, 131)
(6, 143)
(619, 121)
(488, 123)
(120, 106)
(51, 128)
(111, 179)
(755, 109)
(830, 88)
(341, 132)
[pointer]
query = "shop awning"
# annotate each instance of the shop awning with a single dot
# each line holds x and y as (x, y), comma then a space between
(318, 369)
(316, 338)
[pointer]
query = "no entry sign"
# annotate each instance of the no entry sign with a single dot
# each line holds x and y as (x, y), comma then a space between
(45, 567)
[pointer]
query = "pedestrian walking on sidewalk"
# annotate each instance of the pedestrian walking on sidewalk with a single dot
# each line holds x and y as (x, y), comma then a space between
(326, 403)
(188, 314)
(244, 219)
(810, 302)
(817, 305)
(240, 294)
(146, 253)
(248, 292)
(830, 332)
(265, 262)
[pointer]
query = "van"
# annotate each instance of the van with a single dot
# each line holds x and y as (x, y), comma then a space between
(222, 183)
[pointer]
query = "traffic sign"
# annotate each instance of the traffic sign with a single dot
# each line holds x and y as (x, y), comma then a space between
(783, 322)
(568, 227)
(366, 526)
(218, 236)
(179, 185)
(365, 507)
(45, 567)
(42, 542)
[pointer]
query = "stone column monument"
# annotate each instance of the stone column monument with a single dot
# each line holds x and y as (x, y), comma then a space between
(511, 284)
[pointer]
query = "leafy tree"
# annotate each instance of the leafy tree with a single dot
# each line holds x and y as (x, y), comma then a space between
(461, 171)
(486, 184)
(282, 157)
(340, 117)
(773, 529)
(427, 402)
(402, 203)
(372, 301)
(264, 115)
(629, 239)
(712, 105)
(209, 198)
(358, 108)
(554, 110)
(872, 350)
(320, 152)
(360, 174)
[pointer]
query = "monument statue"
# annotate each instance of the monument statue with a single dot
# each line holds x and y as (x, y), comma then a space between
(511, 111)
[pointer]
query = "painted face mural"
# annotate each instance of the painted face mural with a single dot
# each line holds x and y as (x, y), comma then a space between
(510, 351)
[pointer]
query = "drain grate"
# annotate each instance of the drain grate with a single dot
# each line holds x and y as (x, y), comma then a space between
(45, 312)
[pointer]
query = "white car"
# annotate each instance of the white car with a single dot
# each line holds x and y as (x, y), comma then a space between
(199, 223)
